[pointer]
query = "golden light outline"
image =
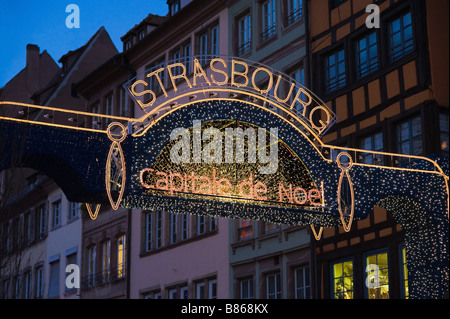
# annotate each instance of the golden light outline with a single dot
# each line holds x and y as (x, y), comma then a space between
(95, 214)
(319, 235)
(345, 169)
(115, 143)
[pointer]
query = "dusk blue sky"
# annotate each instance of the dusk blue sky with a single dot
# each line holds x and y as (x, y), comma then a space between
(44, 23)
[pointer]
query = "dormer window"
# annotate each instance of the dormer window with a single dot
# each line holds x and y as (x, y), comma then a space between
(174, 7)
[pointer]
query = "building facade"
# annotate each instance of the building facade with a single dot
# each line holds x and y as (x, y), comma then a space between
(178, 256)
(42, 228)
(385, 86)
(270, 260)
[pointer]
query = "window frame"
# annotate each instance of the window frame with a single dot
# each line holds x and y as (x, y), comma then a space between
(404, 53)
(377, 252)
(268, 31)
(356, 49)
(244, 46)
(333, 278)
(337, 85)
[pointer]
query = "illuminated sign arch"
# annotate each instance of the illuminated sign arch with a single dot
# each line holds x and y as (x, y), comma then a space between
(117, 158)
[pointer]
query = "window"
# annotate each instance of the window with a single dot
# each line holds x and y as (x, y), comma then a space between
(184, 226)
(215, 40)
(270, 228)
(91, 266)
(71, 258)
(366, 55)
(27, 285)
(158, 230)
(273, 286)
(335, 71)
(246, 288)
(299, 76)
(244, 34)
(208, 43)
(200, 290)
(174, 7)
(212, 223)
(156, 294)
(153, 82)
(41, 222)
(109, 107)
(53, 287)
(56, 214)
(268, 19)
(400, 37)
(404, 274)
(373, 143)
(301, 283)
(106, 260)
(141, 34)
(201, 224)
(17, 287)
(39, 282)
(203, 40)
(121, 256)
(378, 275)
(409, 137)
(294, 11)
(123, 102)
(342, 280)
(173, 228)
(173, 293)
(176, 59)
(187, 49)
(148, 231)
(73, 210)
(184, 292)
(27, 227)
(96, 121)
(6, 289)
(443, 124)
(245, 230)
(212, 289)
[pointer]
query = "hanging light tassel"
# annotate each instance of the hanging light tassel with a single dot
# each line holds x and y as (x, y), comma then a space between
(116, 159)
(345, 167)
(95, 214)
(317, 236)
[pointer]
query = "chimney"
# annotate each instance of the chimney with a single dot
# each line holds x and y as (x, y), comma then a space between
(32, 68)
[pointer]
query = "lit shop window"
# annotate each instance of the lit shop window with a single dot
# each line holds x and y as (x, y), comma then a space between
(343, 280)
(404, 274)
(377, 276)
(121, 257)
